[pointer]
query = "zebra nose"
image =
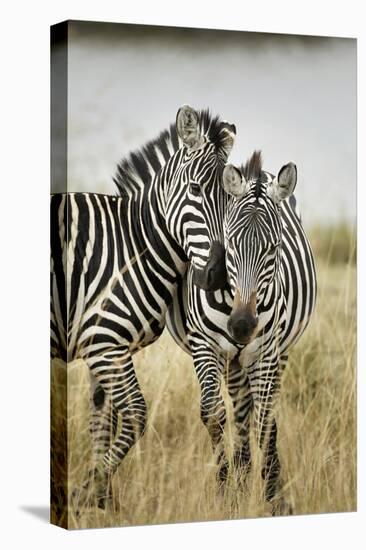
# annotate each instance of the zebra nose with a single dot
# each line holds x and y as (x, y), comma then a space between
(213, 275)
(241, 326)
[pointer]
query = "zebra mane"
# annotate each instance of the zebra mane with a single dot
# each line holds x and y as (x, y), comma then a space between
(253, 167)
(138, 169)
(252, 171)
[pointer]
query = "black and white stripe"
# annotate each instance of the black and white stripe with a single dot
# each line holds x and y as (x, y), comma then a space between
(269, 256)
(116, 263)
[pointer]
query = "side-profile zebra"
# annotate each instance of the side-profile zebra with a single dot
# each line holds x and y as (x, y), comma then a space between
(116, 263)
(246, 331)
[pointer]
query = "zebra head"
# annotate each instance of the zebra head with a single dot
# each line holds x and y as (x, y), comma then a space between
(253, 235)
(196, 201)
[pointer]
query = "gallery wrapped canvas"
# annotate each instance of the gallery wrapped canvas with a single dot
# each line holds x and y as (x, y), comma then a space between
(203, 268)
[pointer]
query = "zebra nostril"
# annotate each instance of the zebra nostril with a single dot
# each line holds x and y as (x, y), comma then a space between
(241, 326)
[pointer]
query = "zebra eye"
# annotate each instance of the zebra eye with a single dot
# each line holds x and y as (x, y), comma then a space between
(195, 189)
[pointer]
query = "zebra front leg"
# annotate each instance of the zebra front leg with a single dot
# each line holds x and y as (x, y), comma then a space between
(115, 373)
(103, 427)
(264, 381)
(209, 370)
(239, 390)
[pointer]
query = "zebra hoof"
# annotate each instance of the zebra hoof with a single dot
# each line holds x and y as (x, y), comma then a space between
(101, 487)
(104, 502)
(282, 508)
(243, 468)
(80, 499)
(96, 489)
(243, 481)
(222, 474)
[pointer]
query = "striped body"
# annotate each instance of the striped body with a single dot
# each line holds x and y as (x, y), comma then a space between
(199, 321)
(117, 292)
(116, 263)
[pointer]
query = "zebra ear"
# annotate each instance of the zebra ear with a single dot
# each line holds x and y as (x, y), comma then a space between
(188, 127)
(284, 185)
(233, 181)
(227, 137)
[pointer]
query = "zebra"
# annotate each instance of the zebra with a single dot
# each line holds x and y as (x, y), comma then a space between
(116, 262)
(245, 330)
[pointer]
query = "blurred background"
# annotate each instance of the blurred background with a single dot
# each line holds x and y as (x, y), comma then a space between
(293, 97)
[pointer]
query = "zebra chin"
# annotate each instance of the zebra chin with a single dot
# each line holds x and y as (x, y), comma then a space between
(242, 328)
(213, 275)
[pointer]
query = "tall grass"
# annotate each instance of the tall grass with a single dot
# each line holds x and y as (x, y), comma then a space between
(334, 244)
(169, 476)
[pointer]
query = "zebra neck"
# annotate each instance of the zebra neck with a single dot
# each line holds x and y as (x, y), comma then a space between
(149, 229)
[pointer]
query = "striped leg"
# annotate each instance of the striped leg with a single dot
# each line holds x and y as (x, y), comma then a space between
(103, 421)
(209, 369)
(103, 427)
(114, 372)
(240, 393)
(280, 506)
(264, 381)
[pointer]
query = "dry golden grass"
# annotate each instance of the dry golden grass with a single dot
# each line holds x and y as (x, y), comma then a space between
(170, 474)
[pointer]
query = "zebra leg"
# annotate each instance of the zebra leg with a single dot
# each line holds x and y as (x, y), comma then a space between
(103, 427)
(240, 393)
(115, 373)
(264, 380)
(209, 369)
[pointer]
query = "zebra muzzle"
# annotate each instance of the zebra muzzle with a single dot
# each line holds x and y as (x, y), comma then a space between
(243, 321)
(213, 275)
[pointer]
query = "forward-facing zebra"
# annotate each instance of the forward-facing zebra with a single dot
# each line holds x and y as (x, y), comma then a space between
(246, 331)
(117, 261)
